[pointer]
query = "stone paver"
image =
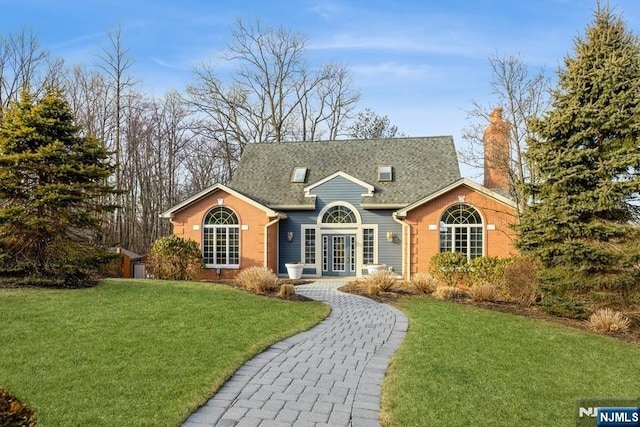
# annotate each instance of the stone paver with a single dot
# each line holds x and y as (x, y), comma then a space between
(327, 376)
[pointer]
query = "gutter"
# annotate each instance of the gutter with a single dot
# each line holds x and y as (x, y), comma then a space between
(373, 206)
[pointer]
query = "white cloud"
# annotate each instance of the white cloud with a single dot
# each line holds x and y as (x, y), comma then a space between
(167, 64)
(80, 40)
(452, 42)
(396, 70)
(328, 9)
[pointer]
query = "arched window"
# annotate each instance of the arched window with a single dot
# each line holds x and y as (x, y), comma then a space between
(221, 238)
(461, 231)
(339, 215)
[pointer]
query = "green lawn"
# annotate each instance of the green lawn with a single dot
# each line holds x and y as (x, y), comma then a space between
(464, 366)
(134, 352)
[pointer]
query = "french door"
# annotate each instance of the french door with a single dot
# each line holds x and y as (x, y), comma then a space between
(339, 255)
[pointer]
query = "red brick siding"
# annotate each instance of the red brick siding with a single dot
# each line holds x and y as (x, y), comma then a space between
(251, 240)
(425, 243)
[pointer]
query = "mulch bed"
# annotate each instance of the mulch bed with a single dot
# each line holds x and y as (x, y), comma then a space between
(271, 294)
(632, 335)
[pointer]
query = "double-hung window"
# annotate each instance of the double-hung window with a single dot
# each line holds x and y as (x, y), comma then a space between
(309, 245)
(368, 245)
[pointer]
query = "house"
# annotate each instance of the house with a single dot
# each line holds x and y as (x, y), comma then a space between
(338, 206)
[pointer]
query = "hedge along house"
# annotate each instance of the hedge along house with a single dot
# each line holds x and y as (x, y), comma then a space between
(338, 206)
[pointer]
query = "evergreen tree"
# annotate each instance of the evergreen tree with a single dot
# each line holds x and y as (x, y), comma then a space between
(51, 193)
(586, 154)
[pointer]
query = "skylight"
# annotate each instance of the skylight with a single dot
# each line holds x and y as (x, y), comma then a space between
(385, 173)
(299, 174)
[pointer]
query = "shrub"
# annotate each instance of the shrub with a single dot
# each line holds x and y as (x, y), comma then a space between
(14, 413)
(354, 286)
(382, 279)
(521, 280)
(258, 280)
(449, 268)
(406, 287)
(449, 292)
(563, 306)
(287, 290)
(66, 264)
(17, 282)
(608, 320)
(484, 292)
(175, 258)
(424, 283)
(373, 288)
(562, 291)
(488, 270)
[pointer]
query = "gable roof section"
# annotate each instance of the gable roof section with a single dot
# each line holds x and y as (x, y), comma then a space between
(370, 188)
(207, 191)
(462, 181)
(132, 255)
(421, 166)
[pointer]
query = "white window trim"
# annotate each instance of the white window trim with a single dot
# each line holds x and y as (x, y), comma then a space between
(368, 187)
(353, 228)
(303, 255)
(385, 169)
(322, 230)
(225, 227)
(299, 170)
(346, 205)
(467, 228)
(360, 242)
(482, 225)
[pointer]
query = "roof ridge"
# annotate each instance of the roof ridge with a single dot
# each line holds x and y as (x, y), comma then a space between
(352, 140)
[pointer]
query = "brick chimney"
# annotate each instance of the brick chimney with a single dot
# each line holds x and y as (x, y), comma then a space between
(496, 152)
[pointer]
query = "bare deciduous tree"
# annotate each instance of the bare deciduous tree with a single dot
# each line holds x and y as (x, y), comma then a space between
(205, 166)
(115, 63)
(521, 95)
(370, 125)
(88, 95)
(272, 96)
(325, 111)
(23, 64)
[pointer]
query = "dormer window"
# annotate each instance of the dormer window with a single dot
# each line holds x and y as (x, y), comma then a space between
(385, 173)
(299, 174)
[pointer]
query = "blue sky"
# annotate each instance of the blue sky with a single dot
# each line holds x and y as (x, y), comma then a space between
(419, 62)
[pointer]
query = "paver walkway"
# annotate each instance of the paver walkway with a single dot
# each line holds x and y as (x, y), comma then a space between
(327, 376)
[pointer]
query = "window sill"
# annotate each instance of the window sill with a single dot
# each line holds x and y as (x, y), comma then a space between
(227, 266)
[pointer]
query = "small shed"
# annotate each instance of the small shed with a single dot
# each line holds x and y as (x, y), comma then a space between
(132, 264)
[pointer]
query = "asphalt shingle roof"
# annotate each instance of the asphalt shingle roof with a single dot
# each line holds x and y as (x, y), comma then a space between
(420, 167)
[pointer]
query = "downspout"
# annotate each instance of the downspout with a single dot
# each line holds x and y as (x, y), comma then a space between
(266, 241)
(406, 249)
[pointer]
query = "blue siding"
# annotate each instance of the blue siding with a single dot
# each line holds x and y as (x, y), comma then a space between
(340, 189)
(291, 251)
(389, 253)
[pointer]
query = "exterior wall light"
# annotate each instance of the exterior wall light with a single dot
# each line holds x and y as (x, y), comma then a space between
(389, 236)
